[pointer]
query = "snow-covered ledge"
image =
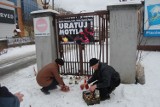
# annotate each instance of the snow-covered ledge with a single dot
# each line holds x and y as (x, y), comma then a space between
(44, 11)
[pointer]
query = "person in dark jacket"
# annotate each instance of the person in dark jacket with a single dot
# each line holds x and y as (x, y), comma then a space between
(7, 99)
(48, 77)
(107, 78)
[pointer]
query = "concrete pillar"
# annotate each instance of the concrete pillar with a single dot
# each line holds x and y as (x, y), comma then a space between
(44, 30)
(123, 40)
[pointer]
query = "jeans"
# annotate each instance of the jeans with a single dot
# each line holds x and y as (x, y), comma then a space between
(104, 92)
(9, 102)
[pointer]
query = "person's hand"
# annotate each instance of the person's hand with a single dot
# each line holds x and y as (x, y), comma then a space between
(65, 88)
(84, 85)
(19, 96)
(92, 88)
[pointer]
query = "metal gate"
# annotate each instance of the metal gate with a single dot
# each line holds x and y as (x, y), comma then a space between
(77, 52)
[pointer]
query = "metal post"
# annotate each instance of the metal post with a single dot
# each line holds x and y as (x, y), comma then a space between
(53, 4)
(20, 20)
(81, 59)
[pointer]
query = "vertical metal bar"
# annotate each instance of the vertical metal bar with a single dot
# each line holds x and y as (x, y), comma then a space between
(66, 57)
(66, 71)
(91, 54)
(77, 62)
(81, 59)
(107, 20)
(70, 57)
(84, 60)
(103, 27)
(100, 37)
(63, 55)
(63, 59)
(75, 57)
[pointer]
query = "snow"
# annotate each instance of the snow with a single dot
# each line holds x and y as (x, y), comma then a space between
(126, 95)
(18, 51)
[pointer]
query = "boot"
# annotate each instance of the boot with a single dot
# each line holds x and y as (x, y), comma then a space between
(45, 91)
(107, 97)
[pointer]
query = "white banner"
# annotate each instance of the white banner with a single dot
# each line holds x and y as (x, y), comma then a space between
(74, 26)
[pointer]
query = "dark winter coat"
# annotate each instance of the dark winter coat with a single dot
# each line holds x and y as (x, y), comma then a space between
(7, 99)
(106, 76)
(46, 74)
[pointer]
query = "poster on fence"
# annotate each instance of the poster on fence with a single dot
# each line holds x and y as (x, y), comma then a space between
(152, 18)
(76, 29)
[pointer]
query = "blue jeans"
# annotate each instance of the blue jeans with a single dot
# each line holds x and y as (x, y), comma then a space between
(9, 102)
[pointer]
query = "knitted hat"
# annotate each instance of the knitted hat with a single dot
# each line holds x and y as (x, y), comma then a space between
(93, 61)
(59, 61)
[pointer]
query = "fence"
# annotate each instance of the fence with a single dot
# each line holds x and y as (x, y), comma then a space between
(78, 52)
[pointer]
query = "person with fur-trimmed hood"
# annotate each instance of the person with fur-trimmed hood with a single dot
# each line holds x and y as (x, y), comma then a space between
(48, 77)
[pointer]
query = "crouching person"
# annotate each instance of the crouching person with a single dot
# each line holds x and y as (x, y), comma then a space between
(7, 99)
(107, 79)
(48, 77)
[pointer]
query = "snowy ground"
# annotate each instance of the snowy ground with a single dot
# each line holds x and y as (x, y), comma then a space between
(13, 53)
(126, 95)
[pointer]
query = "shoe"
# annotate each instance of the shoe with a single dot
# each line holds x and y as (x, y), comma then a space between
(107, 97)
(45, 91)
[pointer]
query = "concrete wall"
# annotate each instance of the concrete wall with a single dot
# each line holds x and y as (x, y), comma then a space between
(44, 52)
(123, 40)
(5, 28)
